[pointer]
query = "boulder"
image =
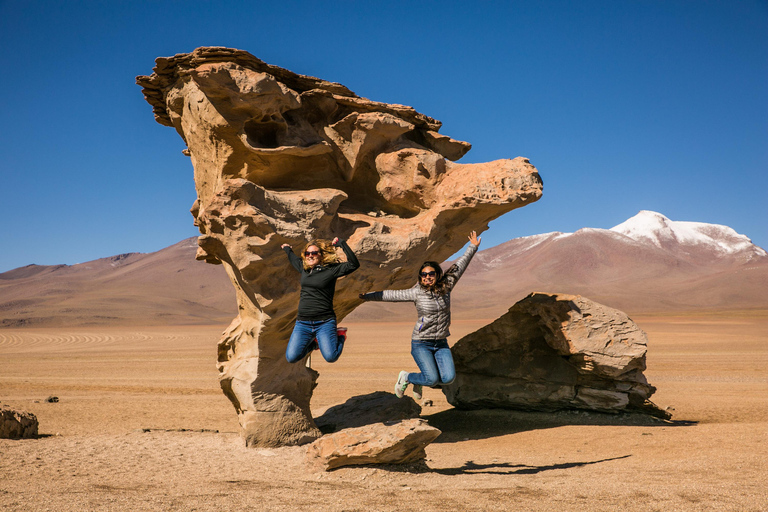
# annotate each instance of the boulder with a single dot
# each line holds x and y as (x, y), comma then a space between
(16, 424)
(282, 158)
(554, 351)
(377, 407)
(380, 443)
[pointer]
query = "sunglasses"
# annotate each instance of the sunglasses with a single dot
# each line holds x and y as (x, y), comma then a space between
(312, 253)
(428, 274)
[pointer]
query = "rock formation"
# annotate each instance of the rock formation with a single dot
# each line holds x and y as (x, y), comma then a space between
(282, 158)
(380, 443)
(16, 424)
(552, 352)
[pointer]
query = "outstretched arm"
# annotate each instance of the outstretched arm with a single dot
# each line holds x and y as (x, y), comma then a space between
(474, 239)
(457, 269)
(296, 262)
(408, 295)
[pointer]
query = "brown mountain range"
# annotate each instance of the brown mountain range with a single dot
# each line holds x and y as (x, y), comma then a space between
(165, 287)
(608, 268)
(638, 267)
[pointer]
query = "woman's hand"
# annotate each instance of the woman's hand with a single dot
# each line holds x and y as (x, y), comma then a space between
(473, 239)
(284, 246)
(335, 241)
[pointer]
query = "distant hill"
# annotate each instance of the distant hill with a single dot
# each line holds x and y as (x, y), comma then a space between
(165, 287)
(647, 264)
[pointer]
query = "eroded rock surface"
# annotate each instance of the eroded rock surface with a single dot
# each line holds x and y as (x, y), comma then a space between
(15, 424)
(554, 351)
(283, 158)
(379, 443)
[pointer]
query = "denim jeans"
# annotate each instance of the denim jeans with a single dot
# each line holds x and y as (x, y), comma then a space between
(304, 332)
(435, 362)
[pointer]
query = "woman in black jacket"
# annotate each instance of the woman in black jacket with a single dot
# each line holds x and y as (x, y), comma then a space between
(316, 319)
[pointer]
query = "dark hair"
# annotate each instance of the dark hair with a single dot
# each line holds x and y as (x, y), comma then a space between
(439, 286)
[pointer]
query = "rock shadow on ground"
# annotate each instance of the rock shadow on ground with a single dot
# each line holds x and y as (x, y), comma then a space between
(464, 425)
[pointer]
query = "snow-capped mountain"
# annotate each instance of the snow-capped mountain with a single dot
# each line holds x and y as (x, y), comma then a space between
(655, 228)
(647, 264)
(649, 237)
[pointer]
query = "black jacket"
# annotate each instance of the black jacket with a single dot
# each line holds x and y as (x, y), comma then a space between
(319, 283)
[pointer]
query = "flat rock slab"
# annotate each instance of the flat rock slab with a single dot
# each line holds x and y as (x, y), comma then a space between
(17, 424)
(381, 443)
(361, 410)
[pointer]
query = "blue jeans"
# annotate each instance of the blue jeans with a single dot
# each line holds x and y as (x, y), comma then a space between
(435, 362)
(305, 331)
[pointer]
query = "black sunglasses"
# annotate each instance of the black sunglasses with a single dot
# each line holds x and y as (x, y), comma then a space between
(428, 274)
(312, 253)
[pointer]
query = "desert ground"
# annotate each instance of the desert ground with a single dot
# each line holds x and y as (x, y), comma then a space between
(141, 424)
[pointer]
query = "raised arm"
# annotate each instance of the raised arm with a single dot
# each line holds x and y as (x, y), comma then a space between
(296, 262)
(453, 274)
(348, 266)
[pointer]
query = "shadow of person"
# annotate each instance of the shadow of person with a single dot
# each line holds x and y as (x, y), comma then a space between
(494, 468)
(505, 468)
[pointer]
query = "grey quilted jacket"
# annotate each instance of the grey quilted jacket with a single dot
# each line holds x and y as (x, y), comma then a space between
(434, 310)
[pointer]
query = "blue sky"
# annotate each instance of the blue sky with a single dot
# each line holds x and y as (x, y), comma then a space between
(621, 105)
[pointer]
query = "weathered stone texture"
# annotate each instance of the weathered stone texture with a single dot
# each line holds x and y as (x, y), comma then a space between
(554, 351)
(16, 424)
(380, 443)
(280, 158)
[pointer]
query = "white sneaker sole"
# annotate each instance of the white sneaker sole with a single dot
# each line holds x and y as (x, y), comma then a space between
(401, 384)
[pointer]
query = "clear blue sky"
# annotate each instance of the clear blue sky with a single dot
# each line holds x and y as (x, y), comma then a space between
(621, 105)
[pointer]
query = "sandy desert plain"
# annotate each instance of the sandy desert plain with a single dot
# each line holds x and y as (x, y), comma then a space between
(141, 424)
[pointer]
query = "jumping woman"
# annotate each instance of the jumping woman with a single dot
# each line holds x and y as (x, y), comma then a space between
(316, 320)
(429, 344)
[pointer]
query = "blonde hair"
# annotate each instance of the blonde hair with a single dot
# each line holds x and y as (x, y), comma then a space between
(327, 252)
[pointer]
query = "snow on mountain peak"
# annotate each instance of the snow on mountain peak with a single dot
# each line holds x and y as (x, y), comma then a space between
(648, 226)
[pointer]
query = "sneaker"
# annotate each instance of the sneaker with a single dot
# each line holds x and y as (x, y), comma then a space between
(417, 391)
(402, 383)
(313, 345)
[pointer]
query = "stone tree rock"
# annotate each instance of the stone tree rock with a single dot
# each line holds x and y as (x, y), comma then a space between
(554, 351)
(284, 158)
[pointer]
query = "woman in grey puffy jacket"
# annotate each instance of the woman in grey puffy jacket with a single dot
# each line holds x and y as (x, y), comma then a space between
(429, 343)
